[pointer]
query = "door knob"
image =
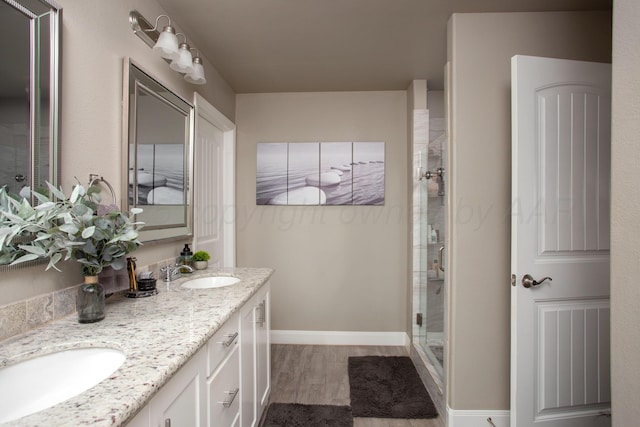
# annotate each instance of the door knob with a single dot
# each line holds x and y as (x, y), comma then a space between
(530, 282)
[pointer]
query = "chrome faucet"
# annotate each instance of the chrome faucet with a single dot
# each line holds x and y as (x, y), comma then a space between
(173, 272)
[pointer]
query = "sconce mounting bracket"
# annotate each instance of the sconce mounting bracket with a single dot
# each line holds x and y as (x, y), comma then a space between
(143, 29)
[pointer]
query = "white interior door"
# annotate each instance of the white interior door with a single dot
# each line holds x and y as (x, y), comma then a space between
(214, 184)
(561, 128)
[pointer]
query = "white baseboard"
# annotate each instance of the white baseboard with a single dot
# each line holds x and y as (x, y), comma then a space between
(339, 338)
(462, 418)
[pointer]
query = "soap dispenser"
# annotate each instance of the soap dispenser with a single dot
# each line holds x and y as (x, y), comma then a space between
(186, 258)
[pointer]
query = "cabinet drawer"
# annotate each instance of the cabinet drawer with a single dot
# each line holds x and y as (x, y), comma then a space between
(222, 343)
(224, 393)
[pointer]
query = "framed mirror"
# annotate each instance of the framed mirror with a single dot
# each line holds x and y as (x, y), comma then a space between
(29, 87)
(29, 96)
(158, 144)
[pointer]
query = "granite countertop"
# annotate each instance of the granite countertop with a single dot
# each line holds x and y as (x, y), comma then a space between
(158, 335)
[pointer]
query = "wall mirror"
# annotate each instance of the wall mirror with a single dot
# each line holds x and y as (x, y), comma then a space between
(29, 95)
(157, 173)
(29, 76)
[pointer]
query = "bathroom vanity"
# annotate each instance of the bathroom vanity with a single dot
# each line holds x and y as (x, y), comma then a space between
(226, 383)
(194, 357)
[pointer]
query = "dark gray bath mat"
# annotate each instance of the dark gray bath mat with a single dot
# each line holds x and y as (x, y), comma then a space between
(297, 415)
(388, 387)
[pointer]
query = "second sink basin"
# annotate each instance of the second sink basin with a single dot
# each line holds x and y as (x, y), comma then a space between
(210, 282)
(35, 384)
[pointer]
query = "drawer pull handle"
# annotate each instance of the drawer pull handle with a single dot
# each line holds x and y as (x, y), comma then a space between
(230, 341)
(232, 397)
(260, 314)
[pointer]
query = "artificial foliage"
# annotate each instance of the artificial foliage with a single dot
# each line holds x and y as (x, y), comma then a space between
(59, 228)
(201, 256)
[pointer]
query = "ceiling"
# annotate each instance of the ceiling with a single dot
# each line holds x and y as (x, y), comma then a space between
(333, 45)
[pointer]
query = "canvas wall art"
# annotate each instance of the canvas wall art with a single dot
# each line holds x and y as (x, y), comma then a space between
(320, 173)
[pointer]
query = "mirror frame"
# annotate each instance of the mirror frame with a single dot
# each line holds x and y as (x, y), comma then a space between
(35, 111)
(54, 11)
(134, 80)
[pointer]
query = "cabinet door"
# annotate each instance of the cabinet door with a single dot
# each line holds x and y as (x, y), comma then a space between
(180, 402)
(141, 419)
(247, 365)
(255, 357)
(263, 352)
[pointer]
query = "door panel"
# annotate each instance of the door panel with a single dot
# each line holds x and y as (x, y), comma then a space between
(572, 363)
(560, 229)
(208, 190)
(576, 215)
(214, 184)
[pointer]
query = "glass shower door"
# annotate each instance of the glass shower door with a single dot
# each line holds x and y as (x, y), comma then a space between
(433, 232)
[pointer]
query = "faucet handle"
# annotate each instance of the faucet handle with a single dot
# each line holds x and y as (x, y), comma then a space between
(168, 271)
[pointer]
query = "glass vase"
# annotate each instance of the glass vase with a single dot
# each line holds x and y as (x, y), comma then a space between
(90, 302)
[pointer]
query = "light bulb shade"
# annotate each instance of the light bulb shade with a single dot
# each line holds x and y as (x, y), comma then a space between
(196, 76)
(183, 62)
(167, 44)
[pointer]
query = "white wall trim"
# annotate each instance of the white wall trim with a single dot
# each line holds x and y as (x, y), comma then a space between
(477, 418)
(229, 197)
(339, 338)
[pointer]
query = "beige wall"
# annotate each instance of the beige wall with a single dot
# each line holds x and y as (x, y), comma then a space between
(96, 37)
(625, 215)
(337, 268)
(480, 50)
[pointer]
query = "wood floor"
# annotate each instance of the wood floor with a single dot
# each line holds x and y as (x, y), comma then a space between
(318, 375)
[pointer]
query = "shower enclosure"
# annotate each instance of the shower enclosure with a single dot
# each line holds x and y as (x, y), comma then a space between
(432, 231)
(429, 232)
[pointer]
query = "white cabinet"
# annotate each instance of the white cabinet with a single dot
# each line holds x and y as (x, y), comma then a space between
(223, 343)
(247, 367)
(263, 352)
(255, 359)
(181, 402)
(224, 390)
(223, 385)
(141, 419)
(227, 382)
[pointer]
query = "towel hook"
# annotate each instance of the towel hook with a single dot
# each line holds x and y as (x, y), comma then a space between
(95, 179)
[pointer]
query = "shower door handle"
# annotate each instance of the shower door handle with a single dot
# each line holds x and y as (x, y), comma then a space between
(441, 251)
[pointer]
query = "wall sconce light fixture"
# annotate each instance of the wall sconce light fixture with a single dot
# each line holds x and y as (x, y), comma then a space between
(166, 44)
(197, 75)
(183, 61)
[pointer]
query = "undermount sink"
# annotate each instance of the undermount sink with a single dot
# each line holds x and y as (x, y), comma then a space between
(210, 282)
(35, 384)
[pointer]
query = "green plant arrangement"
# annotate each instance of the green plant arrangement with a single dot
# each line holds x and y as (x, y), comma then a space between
(58, 228)
(21, 223)
(200, 260)
(201, 256)
(78, 228)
